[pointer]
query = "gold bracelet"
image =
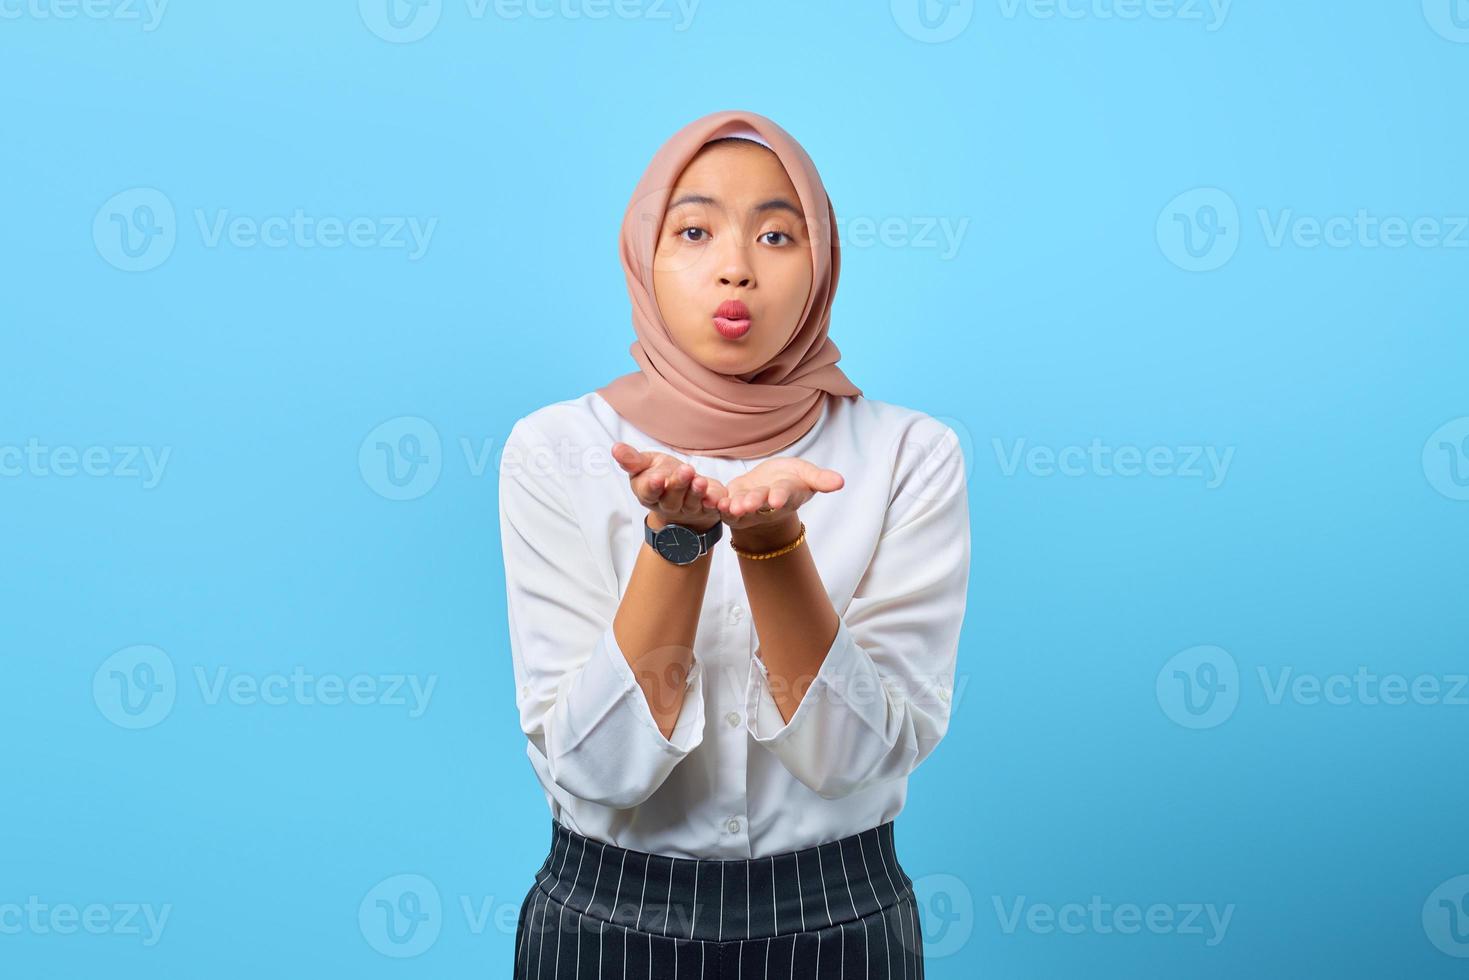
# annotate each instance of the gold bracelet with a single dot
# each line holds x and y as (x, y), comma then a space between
(759, 555)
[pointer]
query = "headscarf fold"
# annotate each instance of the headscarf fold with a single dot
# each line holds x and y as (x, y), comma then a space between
(676, 399)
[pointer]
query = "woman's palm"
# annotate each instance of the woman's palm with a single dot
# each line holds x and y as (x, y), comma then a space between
(783, 483)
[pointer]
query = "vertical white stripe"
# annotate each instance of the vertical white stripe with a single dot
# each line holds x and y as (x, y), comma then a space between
(774, 907)
(524, 931)
(767, 958)
(800, 899)
(556, 879)
(721, 901)
(821, 873)
(560, 922)
(886, 871)
(794, 937)
(887, 947)
(903, 945)
(541, 946)
(639, 921)
(601, 937)
(519, 942)
(877, 902)
(529, 924)
(847, 879)
(917, 930)
(578, 945)
(867, 874)
(866, 956)
(576, 878)
(592, 898)
(565, 853)
(668, 914)
(748, 924)
(901, 905)
(902, 936)
(617, 895)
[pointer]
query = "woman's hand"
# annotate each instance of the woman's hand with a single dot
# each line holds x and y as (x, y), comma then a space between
(670, 488)
(781, 484)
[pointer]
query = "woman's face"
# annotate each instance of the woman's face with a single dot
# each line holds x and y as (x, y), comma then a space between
(733, 231)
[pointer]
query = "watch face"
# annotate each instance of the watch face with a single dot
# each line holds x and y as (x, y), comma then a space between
(678, 544)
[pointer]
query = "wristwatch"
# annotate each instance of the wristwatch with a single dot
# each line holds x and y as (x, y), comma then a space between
(679, 544)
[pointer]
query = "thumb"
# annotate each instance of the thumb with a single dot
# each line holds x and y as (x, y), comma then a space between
(629, 458)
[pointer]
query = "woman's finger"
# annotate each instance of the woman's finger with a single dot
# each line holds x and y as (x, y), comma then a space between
(714, 492)
(701, 493)
(676, 486)
(782, 493)
(820, 479)
(628, 458)
(648, 493)
(751, 500)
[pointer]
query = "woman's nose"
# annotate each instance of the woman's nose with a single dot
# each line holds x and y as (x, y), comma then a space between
(735, 269)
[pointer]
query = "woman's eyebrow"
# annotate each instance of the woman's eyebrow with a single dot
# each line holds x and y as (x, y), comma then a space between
(774, 204)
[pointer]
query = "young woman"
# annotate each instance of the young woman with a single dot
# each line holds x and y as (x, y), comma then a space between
(735, 589)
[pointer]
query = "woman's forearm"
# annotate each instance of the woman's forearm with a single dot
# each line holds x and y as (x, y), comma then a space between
(655, 626)
(793, 615)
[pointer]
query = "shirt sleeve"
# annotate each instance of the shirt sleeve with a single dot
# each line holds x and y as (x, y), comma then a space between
(586, 717)
(880, 702)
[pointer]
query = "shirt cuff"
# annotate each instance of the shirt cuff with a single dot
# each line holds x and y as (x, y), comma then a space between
(609, 671)
(835, 688)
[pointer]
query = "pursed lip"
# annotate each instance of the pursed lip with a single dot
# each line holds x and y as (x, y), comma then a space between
(733, 309)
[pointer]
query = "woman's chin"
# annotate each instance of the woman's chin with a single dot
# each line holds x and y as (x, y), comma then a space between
(723, 357)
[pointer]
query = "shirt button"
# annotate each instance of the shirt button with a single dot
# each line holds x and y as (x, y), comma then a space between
(733, 718)
(736, 613)
(733, 825)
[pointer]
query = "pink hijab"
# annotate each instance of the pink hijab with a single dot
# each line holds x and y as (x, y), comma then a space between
(676, 399)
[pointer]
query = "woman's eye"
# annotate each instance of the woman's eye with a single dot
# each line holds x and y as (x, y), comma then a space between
(698, 231)
(780, 234)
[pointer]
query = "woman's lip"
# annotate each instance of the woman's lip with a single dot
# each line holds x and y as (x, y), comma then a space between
(733, 309)
(730, 328)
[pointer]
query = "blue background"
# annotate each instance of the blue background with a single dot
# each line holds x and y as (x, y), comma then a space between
(1072, 310)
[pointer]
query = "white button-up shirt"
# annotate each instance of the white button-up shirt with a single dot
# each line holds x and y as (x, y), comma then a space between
(734, 780)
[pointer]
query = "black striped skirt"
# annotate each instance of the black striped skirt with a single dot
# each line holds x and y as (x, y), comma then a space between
(843, 909)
